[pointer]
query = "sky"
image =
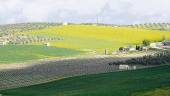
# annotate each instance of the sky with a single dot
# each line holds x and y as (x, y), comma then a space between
(85, 11)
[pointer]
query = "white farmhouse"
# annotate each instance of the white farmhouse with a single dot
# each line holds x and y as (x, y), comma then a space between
(47, 44)
(132, 49)
(145, 48)
(65, 23)
(3, 42)
(127, 67)
(157, 45)
(124, 67)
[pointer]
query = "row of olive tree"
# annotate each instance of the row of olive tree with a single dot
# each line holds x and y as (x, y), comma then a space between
(159, 58)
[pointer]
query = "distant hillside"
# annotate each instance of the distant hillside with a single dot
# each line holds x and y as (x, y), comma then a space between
(22, 27)
(80, 36)
(144, 82)
(153, 26)
(11, 28)
(97, 37)
(90, 38)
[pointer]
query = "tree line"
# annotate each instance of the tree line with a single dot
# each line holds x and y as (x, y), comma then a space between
(162, 57)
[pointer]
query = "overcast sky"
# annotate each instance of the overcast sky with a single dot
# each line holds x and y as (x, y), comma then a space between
(107, 11)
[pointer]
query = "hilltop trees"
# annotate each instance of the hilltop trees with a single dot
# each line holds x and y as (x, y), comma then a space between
(146, 42)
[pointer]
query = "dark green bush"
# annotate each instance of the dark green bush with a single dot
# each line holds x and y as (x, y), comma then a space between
(146, 42)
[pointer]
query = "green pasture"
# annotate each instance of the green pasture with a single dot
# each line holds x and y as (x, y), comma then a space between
(20, 53)
(78, 37)
(127, 83)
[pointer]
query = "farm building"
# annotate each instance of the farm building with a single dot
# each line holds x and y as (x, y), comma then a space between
(132, 49)
(157, 45)
(47, 44)
(65, 24)
(127, 67)
(160, 45)
(2, 42)
(145, 48)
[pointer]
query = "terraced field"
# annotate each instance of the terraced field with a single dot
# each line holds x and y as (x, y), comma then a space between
(51, 70)
(129, 83)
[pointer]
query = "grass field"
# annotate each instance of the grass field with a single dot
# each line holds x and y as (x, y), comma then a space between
(17, 53)
(128, 83)
(156, 92)
(98, 37)
(74, 38)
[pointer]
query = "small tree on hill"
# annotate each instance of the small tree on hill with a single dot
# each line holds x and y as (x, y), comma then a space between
(137, 47)
(146, 42)
(121, 49)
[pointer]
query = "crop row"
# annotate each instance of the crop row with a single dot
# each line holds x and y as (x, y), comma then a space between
(52, 70)
(24, 27)
(154, 26)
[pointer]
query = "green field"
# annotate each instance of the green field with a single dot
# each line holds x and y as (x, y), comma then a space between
(75, 38)
(156, 92)
(128, 83)
(98, 37)
(20, 53)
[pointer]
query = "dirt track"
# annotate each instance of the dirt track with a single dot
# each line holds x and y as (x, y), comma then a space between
(52, 70)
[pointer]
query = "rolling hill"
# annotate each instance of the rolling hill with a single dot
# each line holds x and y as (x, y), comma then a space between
(89, 38)
(21, 27)
(97, 37)
(152, 26)
(143, 82)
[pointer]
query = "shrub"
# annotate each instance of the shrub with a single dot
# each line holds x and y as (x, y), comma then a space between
(146, 42)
